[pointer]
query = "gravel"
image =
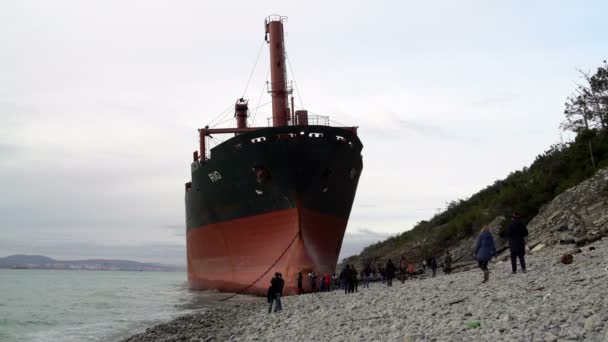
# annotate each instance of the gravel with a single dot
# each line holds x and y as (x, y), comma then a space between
(551, 302)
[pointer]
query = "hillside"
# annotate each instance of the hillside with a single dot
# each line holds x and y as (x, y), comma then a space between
(527, 191)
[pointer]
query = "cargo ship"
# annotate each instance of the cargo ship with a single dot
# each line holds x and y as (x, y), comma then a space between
(270, 199)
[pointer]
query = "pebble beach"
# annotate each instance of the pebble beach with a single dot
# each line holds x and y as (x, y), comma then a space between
(551, 302)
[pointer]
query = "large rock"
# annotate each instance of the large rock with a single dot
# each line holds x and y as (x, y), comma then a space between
(574, 215)
(566, 259)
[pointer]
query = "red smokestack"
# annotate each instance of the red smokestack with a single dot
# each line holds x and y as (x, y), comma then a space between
(278, 76)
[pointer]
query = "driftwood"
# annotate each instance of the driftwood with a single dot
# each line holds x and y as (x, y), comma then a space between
(536, 289)
(458, 301)
(369, 318)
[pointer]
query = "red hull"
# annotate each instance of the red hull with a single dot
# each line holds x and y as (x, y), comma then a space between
(230, 256)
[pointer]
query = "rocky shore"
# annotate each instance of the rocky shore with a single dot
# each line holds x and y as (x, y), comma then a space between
(552, 302)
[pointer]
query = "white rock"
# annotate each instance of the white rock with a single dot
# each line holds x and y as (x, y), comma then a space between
(539, 247)
(413, 338)
(589, 324)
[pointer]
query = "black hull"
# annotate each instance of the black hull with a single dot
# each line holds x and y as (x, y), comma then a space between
(313, 167)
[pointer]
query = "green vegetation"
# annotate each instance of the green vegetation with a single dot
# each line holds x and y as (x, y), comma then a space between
(524, 191)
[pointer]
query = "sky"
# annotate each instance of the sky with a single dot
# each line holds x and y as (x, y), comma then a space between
(100, 102)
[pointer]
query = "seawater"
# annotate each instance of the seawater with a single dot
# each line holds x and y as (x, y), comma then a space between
(45, 305)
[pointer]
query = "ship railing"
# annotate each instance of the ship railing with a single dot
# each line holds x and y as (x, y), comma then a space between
(273, 87)
(313, 120)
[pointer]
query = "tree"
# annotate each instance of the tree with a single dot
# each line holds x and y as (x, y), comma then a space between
(587, 109)
(598, 90)
(579, 117)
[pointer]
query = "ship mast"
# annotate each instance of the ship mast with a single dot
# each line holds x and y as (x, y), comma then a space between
(278, 75)
(278, 88)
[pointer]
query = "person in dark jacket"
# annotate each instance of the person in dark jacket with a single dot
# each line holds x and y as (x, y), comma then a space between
(312, 277)
(344, 278)
(275, 291)
(516, 234)
(355, 279)
(390, 272)
(351, 277)
(402, 268)
(300, 288)
(447, 263)
(484, 251)
(433, 265)
(367, 274)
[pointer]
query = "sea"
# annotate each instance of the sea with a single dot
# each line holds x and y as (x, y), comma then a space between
(57, 305)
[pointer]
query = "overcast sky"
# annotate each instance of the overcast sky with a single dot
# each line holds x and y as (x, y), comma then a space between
(100, 102)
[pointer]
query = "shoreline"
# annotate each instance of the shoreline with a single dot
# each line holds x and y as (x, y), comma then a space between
(551, 302)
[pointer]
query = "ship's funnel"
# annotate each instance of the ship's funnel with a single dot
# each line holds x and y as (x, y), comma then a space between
(278, 75)
(241, 113)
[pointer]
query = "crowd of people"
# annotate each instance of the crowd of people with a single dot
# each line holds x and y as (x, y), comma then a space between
(348, 278)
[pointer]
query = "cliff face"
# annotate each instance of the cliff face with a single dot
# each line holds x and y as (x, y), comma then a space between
(578, 215)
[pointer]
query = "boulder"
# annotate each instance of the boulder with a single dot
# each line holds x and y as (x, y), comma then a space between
(566, 259)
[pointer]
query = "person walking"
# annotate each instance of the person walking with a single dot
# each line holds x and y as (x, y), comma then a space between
(433, 264)
(390, 272)
(485, 249)
(447, 263)
(327, 281)
(300, 288)
(516, 234)
(410, 271)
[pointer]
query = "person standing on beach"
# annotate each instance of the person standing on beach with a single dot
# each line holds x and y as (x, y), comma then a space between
(344, 277)
(355, 279)
(433, 264)
(485, 249)
(447, 263)
(516, 234)
(390, 272)
(402, 268)
(312, 277)
(350, 279)
(367, 273)
(300, 288)
(410, 271)
(382, 272)
(275, 291)
(327, 281)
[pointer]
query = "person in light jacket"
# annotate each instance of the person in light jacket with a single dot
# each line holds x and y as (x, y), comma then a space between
(485, 249)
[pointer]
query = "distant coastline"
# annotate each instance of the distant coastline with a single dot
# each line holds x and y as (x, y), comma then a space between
(40, 262)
